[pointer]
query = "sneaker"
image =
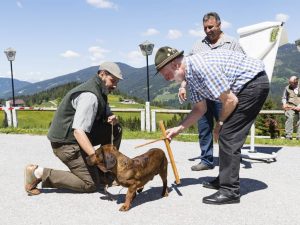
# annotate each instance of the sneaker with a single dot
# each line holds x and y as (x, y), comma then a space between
(201, 166)
(30, 181)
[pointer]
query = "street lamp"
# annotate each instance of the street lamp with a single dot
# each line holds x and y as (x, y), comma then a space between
(147, 48)
(297, 42)
(10, 54)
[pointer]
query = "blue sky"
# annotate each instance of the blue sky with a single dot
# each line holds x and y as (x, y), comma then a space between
(57, 37)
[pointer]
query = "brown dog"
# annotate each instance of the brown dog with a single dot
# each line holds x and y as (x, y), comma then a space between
(132, 173)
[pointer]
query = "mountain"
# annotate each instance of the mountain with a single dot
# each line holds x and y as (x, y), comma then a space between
(287, 64)
(135, 80)
(5, 86)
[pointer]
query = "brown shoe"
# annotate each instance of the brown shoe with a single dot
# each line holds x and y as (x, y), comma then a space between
(30, 181)
(201, 166)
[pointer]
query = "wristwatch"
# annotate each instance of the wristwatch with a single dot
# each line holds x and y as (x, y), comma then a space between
(221, 123)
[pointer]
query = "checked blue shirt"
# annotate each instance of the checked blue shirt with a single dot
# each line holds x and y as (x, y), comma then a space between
(211, 73)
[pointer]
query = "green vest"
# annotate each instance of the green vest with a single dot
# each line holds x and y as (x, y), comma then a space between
(61, 127)
(292, 98)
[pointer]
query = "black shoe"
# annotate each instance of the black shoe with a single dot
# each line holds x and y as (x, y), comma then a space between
(220, 199)
(201, 166)
(212, 185)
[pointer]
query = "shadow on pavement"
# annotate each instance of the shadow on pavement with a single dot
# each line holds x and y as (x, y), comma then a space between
(265, 149)
(247, 185)
(152, 194)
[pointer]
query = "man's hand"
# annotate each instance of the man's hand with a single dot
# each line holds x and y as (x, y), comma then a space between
(174, 131)
(181, 95)
(113, 119)
(288, 107)
(182, 92)
(216, 132)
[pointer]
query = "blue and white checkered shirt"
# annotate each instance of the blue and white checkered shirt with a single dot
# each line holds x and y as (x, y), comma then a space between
(211, 73)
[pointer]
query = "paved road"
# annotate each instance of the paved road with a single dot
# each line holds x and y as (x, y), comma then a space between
(270, 191)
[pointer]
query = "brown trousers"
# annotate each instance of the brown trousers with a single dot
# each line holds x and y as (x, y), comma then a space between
(81, 177)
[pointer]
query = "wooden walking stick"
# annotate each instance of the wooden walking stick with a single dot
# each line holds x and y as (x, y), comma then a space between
(167, 142)
(150, 142)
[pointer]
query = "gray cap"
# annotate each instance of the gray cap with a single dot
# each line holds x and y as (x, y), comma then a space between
(112, 68)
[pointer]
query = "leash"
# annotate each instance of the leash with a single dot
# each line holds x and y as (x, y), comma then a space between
(112, 134)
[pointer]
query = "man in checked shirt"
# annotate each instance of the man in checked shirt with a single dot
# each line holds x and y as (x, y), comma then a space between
(240, 84)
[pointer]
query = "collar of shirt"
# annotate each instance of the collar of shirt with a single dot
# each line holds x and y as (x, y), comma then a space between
(222, 40)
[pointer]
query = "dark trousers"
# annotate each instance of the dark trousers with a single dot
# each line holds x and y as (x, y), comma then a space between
(81, 177)
(235, 129)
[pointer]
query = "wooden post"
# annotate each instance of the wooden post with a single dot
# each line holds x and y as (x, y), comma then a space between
(167, 142)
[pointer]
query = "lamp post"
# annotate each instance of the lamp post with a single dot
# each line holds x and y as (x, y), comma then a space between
(297, 42)
(147, 48)
(10, 54)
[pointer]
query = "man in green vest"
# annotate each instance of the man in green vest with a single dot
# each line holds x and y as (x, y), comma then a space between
(291, 106)
(82, 120)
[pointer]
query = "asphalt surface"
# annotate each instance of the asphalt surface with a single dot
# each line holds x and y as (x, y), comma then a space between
(270, 191)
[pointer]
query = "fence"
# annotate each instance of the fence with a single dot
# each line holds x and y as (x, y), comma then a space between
(12, 120)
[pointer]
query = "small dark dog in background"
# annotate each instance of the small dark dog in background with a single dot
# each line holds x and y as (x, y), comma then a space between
(272, 125)
(131, 173)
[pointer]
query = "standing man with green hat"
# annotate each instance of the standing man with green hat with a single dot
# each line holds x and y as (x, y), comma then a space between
(82, 120)
(242, 86)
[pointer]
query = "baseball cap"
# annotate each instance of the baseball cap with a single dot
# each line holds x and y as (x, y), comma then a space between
(112, 68)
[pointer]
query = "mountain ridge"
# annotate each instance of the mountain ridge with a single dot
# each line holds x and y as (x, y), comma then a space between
(135, 79)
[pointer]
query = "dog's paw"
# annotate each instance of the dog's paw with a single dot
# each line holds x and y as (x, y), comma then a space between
(124, 208)
(165, 194)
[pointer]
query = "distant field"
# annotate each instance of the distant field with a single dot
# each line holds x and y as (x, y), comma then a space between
(42, 119)
(35, 119)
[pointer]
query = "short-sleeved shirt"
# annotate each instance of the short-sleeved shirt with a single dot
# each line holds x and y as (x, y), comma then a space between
(86, 105)
(225, 42)
(211, 73)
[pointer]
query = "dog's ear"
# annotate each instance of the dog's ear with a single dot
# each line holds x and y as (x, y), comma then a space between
(109, 160)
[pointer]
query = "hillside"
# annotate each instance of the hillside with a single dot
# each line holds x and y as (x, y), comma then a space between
(5, 86)
(134, 83)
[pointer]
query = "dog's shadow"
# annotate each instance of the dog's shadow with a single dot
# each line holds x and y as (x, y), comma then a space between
(248, 185)
(149, 195)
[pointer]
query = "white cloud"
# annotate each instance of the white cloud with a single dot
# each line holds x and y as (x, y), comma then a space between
(135, 58)
(197, 33)
(69, 54)
(225, 24)
(102, 4)
(97, 54)
(174, 34)
(19, 4)
(150, 31)
(282, 17)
